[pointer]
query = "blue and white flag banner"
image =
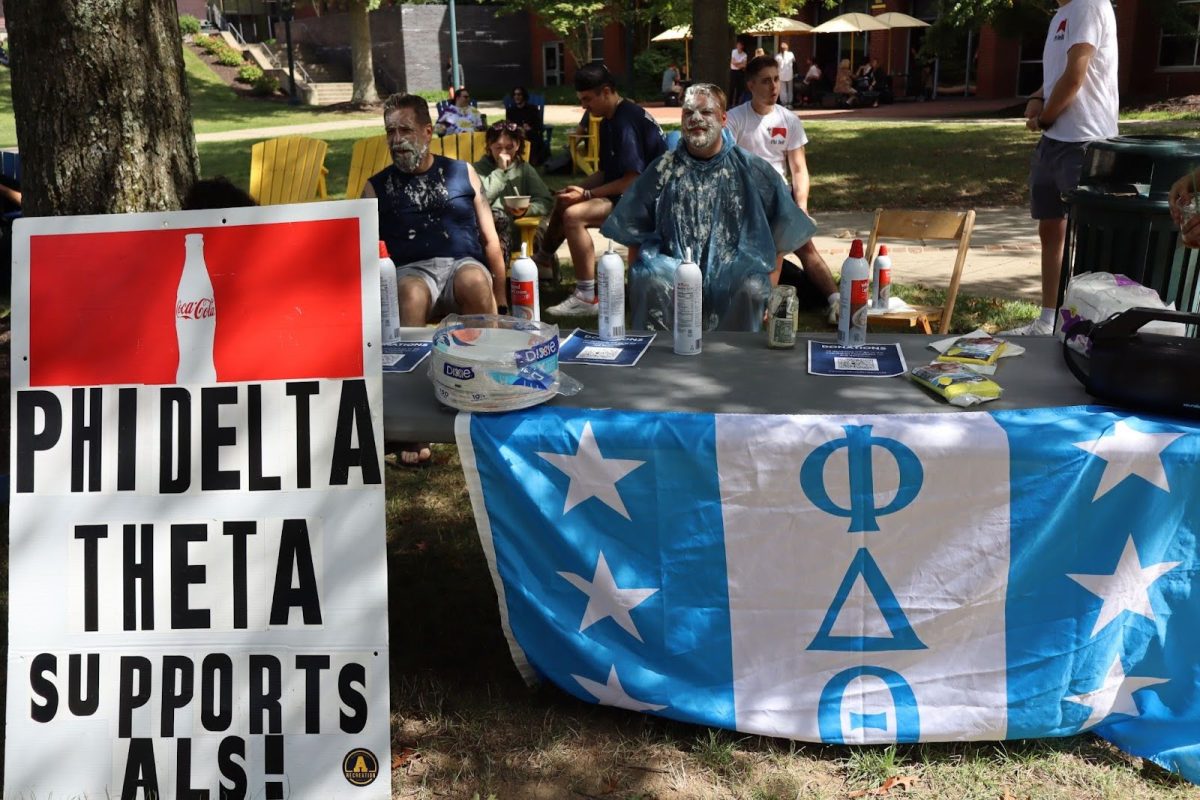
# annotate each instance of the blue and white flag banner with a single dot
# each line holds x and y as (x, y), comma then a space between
(855, 579)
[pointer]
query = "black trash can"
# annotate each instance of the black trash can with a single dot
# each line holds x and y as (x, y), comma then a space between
(1120, 219)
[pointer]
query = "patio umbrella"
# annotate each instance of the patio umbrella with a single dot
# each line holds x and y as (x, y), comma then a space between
(773, 26)
(851, 23)
(683, 32)
(894, 19)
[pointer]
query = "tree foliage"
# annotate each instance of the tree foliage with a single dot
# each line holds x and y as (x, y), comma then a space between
(576, 21)
(1010, 18)
(361, 62)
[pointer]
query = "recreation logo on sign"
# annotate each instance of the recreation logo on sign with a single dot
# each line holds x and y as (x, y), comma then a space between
(360, 767)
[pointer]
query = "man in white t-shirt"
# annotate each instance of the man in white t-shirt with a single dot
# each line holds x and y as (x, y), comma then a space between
(775, 134)
(786, 60)
(737, 73)
(1076, 104)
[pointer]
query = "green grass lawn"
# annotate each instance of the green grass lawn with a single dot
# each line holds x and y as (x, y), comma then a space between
(8, 122)
(216, 108)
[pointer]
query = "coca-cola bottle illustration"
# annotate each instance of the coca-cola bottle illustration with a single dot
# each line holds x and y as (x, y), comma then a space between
(195, 316)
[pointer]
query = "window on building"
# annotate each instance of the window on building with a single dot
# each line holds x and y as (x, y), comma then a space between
(598, 44)
(1029, 67)
(1180, 42)
(552, 64)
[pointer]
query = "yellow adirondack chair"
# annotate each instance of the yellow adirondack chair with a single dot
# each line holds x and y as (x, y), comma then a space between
(372, 154)
(290, 169)
(585, 148)
(368, 157)
(465, 146)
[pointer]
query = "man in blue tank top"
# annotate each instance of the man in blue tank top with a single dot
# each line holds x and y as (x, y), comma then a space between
(436, 222)
(629, 140)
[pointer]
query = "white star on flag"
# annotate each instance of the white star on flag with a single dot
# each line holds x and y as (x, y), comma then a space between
(613, 694)
(1128, 451)
(606, 600)
(1115, 695)
(591, 474)
(1127, 588)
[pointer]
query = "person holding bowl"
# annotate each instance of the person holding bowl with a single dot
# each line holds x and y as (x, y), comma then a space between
(512, 187)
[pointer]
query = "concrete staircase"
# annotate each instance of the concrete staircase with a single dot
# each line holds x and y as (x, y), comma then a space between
(328, 94)
(314, 92)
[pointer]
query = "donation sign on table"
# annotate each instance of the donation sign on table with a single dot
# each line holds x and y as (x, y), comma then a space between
(863, 361)
(855, 579)
(197, 582)
(586, 347)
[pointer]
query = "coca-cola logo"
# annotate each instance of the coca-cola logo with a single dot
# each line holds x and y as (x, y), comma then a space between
(196, 309)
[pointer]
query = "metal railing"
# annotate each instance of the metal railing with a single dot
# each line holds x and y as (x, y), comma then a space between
(301, 72)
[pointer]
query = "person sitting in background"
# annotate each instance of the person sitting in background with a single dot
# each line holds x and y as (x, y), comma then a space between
(811, 81)
(10, 202)
(1182, 200)
(462, 117)
(843, 85)
(503, 173)
(729, 206)
(670, 85)
(218, 192)
(529, 117)
(630, 139)
(864, 76)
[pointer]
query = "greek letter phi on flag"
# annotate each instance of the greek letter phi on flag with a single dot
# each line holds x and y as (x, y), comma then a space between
(867, 601)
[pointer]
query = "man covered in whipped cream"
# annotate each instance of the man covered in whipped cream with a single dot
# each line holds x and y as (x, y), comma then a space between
(730, 207)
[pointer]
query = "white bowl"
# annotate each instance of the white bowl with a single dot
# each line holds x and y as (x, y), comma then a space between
(519, 202)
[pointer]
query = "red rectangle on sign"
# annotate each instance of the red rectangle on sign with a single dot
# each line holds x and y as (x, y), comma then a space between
(287, 296)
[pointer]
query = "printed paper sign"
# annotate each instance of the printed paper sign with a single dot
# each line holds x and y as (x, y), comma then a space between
(198, 591)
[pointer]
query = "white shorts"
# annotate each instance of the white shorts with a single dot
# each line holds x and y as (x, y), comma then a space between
(438, 274)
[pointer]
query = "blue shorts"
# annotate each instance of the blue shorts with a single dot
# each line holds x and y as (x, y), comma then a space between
(1054, 170)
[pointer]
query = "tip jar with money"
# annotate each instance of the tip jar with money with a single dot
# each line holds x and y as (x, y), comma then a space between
(781, 318)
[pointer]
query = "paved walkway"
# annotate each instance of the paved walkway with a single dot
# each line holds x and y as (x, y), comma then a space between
(953, 109)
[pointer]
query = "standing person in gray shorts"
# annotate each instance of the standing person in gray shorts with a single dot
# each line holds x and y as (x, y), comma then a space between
(1076, 104)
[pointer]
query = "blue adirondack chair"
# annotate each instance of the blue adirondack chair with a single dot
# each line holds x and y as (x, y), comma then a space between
(10, 167)
(538, 101)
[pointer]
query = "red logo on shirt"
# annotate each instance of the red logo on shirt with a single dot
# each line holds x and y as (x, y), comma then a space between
(1062, 27)
(779, 131)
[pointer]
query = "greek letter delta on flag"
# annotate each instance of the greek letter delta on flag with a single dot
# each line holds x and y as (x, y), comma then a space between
(855, 579)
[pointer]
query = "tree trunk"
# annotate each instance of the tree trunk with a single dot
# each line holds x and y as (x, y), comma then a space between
(104, 120)
(711, 38)
(360, 53)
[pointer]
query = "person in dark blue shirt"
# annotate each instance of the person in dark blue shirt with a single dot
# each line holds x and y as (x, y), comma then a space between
(629, 140)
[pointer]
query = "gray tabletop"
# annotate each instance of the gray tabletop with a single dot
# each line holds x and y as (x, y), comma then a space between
(736, 373)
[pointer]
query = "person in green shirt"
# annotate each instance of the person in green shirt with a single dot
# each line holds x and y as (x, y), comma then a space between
(503, 172)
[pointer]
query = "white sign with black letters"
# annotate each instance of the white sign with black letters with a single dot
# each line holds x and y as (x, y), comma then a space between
(198, 584)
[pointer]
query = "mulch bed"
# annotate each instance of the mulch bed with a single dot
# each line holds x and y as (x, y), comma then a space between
(229, 75)
(1176, 105)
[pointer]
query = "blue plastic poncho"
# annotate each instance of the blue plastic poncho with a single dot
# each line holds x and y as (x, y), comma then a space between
(733, 210)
